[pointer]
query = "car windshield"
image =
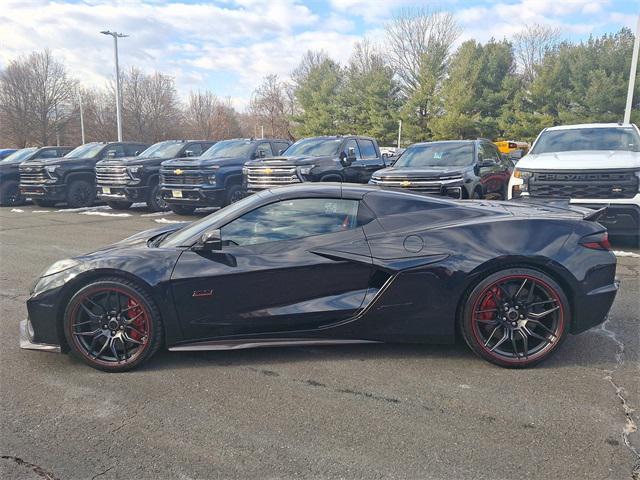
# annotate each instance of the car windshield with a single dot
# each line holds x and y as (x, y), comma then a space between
(184, 236)
(575, 139)
(18, 155)
(229, 148)
(314, 147)
(88, 150)
(167, 149)
(437, 155)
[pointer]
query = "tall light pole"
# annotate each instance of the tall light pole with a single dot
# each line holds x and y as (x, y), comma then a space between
(632, 74)
(399, 132)
(115, 36)
(81, 116)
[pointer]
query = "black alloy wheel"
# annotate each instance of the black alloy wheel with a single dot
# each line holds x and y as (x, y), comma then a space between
(80, 193)
(516, 317)
(234, 193)
(155, 202)
(10, 194)
(112, 325)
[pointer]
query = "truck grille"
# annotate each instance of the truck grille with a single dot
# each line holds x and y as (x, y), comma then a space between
(261, 177)
(590, 184)
(112, 175)
(419, 184)
(33, 175)
(186, 176)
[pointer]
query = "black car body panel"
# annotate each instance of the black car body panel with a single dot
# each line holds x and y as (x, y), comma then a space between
(191, 178)
(130, 179)
(48, 179)
(291, 169)
(9, 169)
(485, 176)
(397, 276)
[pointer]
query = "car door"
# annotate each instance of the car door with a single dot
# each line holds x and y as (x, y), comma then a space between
(370, 157)
(356, 172)
(267, 278)
(490, 169)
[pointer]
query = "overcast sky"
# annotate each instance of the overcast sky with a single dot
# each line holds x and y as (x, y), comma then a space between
(229, 45)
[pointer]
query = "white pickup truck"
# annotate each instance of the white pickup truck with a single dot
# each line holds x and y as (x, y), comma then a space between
(594, 165)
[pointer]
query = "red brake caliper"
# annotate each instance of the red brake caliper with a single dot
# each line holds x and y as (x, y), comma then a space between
(489, 303)
(139, 322)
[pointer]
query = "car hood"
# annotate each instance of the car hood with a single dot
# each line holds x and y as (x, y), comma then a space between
(295, 160)
(55, 161)
(198, 162)
(581, 160)
(128, 161)
(408, 172)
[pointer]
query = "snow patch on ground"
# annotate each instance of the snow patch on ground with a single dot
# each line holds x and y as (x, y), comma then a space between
(620, 253)
(41, 211)
(156, 214)
(83, 209)
(17, 210)
(164, 220)
(106, 214)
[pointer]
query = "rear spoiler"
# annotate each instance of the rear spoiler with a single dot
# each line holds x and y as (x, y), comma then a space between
(564, 204)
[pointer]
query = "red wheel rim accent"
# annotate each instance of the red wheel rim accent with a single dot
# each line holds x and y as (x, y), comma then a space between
(517, 319)
(109, 326)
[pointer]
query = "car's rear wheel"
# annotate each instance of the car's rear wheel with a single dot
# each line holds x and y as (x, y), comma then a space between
(120, 205)
(112, 325)
(182, 209)
(80, 193)
(10, 194)
(155, 202)
(516, 317)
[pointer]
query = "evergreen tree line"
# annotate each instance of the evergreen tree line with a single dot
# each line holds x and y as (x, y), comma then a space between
(507, 89)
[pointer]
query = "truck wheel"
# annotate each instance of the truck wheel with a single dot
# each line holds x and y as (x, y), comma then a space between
(155, 202)
(44, 203)
(234, 193)
(10, 194)
(120, 205)
(182, 209)
(80, 193)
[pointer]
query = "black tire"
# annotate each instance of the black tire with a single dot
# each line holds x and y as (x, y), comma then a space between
(120, 205)
(10, 194)
(506, 303)
(80, 193)
(182, 209)
(234, 193)
(476, 195)
(44, 203)
(137, 324)
(155, 202)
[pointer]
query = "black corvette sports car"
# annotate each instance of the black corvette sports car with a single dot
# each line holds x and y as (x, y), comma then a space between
(330, 264)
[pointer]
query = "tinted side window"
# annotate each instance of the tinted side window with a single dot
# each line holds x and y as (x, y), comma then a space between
(280, 147)
(367, 149)
(265, 148)
(291, 219)
(114, 151)
(47, 154)
(486, 152)
(132, 150)
(352, 144)
(193, 150)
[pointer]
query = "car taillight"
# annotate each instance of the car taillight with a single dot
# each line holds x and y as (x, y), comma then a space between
(513, 145)
(597, 241)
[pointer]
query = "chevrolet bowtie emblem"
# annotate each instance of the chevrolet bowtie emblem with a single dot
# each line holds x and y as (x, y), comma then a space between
(405, 183)
(268, 170)
(178, 171)
(616, 190)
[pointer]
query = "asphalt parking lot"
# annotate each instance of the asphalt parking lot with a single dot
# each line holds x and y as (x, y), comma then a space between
(366, 411)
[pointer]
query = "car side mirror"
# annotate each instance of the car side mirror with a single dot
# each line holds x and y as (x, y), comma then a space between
(281, 151)
(188, 153)
(137, 152)
(210, 240)
(111, 154)
(262, 154)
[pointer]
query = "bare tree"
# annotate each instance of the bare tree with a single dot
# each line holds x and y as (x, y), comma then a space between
(200, 114)
(419, 41)
(270, 107)
(310, 60)
(531, 45)
(16, 103)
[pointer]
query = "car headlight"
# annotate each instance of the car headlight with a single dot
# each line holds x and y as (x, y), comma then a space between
(374, 179)
(245, 171)
(135, 169)
(51, 171)
(521, 180)
(60, 266)
(212, 179)
(305, 170)
(638, 175)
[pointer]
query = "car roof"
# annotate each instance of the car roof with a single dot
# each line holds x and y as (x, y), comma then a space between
(589, 125)
(448, 141)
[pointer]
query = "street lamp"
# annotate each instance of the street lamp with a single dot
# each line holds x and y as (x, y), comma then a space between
(115, 36)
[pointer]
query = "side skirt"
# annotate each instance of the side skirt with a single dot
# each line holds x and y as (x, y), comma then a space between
(258, 343)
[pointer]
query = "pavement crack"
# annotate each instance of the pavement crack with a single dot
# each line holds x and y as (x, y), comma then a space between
(38, 470)
(630, 425)
(102, 472)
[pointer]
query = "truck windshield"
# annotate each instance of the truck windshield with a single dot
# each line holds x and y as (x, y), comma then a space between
(314, 147)
(88, 150)
(437, 155)
(18, 155)
(166, 149)
(229, 148)
(614, 138)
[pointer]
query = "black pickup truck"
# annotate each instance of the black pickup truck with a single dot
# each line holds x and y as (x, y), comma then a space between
(346, 158)
(70, 179)
(122, 181)
(10, 171)
(215, 178)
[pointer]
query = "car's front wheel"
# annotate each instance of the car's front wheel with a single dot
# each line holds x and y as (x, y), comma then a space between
(155, 202)
(516, 317)
(112, 325)
(80, 193)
